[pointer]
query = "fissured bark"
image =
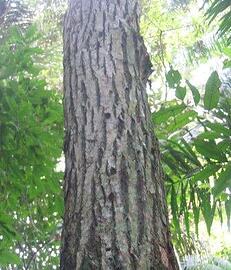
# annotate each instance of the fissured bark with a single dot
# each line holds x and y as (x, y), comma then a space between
(115, 210)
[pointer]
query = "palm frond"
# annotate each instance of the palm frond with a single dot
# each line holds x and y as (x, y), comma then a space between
(222, 9)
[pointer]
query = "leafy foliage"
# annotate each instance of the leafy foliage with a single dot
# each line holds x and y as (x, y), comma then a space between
(194, 136)
(196, 154)
(221, 8)
(30, 144)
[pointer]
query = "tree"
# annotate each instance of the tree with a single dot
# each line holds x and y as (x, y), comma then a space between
(115, 210)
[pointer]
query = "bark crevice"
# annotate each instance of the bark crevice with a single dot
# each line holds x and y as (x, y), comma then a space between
(115, 210)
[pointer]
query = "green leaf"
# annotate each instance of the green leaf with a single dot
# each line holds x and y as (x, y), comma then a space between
(179, 159)
(221, 8)
(185, 207)
(227, 51)
(195, 92)
(205, 173)
(226, 64)
(7, 257)
(186, 150)
(219, 128)
(228, 212)
(223, 181)
(59, 205)
(174, 208)
(170, 162)
(195, 208)
(208, 209)
(181, 120)
(212, 92)
(209, 135)
(220, 211)
(209, 149)
(173, 78)
(225, 146)
(188, 147)
(180, 92)
(6, 224)
(164, 113)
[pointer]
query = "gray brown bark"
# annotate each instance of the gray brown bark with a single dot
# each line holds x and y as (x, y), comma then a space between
(115, 211)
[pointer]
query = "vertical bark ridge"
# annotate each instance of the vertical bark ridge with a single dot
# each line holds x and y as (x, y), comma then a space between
(115, 212)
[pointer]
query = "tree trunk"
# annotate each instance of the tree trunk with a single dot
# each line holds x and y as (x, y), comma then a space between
(115, 211)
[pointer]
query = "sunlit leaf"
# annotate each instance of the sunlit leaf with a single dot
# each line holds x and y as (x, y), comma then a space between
(209, 149)
(219, 128)
(212, 92)
(7, 257)
(180, 92)
(173, 78)
(205, 173)
(195, 92)
(181, 120)
(223, 181)
(166, 112)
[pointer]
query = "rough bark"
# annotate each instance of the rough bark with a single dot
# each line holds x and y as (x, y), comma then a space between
(115, 211)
